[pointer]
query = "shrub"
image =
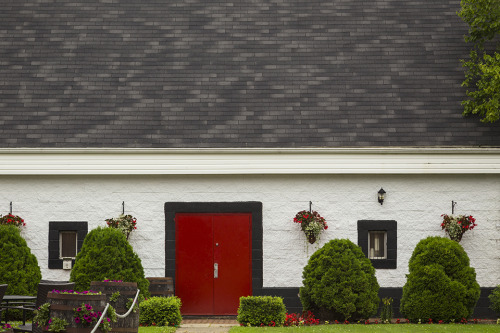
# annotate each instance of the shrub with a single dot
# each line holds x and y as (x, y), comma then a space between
(160, 311)
(440, 285)
(106, 254)
(495, 299)
(261, 311)
(340, 283)
(18, 266)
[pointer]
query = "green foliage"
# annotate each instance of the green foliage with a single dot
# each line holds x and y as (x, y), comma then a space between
(482, 75)
(160, 311)
(340, 283)
(257, 310)
(114, 297)
(57, 325)
(440, 285)
(495, 299)
(18, 266)
(386, 313)
(483, 18)
(42, 315)
(106, 254)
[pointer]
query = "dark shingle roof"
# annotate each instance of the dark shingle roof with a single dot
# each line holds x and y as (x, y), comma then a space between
(247, 73)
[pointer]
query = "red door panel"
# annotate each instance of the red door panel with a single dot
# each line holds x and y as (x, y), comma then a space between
(193, 239)
(203, 240)
(232, 253)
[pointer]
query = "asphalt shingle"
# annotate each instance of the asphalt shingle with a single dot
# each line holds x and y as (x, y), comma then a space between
(206, 73)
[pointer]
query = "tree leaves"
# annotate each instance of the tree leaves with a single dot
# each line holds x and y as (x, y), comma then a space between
(482, 76)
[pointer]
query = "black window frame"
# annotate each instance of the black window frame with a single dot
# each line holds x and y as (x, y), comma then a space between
(390, 227)
(55, 227)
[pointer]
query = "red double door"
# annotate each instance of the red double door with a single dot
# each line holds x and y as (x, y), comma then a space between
(213, 262)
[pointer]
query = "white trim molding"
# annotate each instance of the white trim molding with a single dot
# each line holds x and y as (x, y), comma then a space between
(107, 161)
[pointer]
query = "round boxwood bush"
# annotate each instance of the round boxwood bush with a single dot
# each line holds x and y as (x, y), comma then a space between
(106, 254)
(160, 311)
(18, 266)
(340, 283)
(440, 285)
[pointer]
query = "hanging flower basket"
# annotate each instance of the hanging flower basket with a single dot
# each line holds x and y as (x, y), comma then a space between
(456, 226)
(125, 223)
(10, 219)
(311, 223)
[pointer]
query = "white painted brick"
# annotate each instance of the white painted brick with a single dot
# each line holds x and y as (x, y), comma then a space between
(415, 202)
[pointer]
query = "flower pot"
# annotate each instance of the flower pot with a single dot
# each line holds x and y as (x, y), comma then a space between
(62, 305)
(129, 324)
(457, 238)
(311, 238)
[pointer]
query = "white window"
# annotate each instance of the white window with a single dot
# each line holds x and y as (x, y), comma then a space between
(377, 244)
(67, 244)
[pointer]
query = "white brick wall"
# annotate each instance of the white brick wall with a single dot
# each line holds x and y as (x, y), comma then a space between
(415, 202)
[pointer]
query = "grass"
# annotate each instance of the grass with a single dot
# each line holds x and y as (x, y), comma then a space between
(448, 328)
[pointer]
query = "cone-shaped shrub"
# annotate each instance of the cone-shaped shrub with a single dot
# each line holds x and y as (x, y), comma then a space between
(340, 283)
(106, 254)
(440, 285)
(18, 266)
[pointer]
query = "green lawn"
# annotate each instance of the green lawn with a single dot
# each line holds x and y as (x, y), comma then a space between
(373, 328)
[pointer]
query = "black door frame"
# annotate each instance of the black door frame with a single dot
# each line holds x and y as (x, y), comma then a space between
(252, 207)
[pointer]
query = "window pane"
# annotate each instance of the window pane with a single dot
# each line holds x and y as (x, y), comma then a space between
(376, 244)
(67, 241)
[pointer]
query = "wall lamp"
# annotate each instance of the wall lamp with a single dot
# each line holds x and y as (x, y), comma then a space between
(381, 196)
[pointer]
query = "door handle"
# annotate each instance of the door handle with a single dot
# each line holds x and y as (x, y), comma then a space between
(216, 270)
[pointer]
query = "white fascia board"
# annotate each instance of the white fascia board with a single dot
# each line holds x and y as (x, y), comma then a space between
(52, 161)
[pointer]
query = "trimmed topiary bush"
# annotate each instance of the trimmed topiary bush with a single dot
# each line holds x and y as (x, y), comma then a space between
(261, 311)
(495, 299)
(18, 266)
(106, 254)
(440, 285)
(160, 311)
(340, 283)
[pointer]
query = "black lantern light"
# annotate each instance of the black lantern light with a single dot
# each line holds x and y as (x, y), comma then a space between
(381, 196)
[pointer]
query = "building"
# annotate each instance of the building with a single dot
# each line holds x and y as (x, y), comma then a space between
(248, 109)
